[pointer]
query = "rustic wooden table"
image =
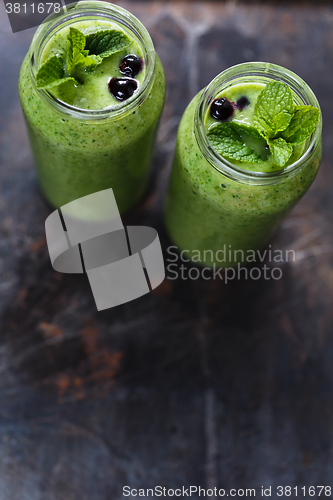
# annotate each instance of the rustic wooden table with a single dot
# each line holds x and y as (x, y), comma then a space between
(200, 382)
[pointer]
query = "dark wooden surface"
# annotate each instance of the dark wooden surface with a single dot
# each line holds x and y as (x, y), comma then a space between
(199, 382)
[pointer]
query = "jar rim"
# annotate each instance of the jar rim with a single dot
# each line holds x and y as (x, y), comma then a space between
(265, 71)
(95, 9)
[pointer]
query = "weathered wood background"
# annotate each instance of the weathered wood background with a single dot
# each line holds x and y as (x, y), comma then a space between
(199, 382)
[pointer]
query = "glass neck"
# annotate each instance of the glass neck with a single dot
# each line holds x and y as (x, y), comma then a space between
(95, 10)
(258, 72)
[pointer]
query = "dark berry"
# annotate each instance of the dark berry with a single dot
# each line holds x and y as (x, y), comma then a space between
(130, 65)
(242, 102)
(221, 109)
(122, 88)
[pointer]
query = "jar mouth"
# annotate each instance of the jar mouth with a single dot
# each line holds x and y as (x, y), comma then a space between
(95, 10)
(262, 72)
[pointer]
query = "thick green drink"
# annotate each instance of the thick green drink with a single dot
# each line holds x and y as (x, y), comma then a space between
(218, 211)
(85, 137)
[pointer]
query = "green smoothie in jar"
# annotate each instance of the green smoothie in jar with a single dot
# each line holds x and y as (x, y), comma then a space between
(248, 148)
(92, 91)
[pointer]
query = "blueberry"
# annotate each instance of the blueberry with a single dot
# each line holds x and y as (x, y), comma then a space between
(221, 109)
(122, 88)
(242, 102)
(130, 65)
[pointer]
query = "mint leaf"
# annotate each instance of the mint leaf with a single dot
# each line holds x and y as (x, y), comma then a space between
(52, 73)
(281, 151)
(274, 109)
(105, 42)
(75, 51)
(87, 48)
(228, 139)
(302, 125)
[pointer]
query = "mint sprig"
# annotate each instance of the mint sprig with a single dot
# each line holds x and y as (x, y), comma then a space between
(77, 56)
(86, 50)
(275, 119)
(229, 140)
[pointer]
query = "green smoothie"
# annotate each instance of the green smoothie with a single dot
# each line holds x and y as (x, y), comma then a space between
(85, 135)
(220, 210)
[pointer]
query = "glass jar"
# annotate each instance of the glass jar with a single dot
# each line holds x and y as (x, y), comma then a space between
(80, 151)
(218, 213)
